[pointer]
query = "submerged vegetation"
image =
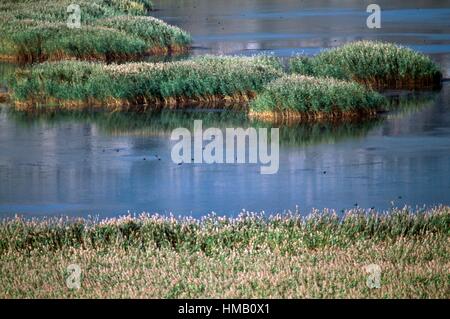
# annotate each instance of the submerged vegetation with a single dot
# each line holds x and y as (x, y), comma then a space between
(204, 80)
(321, 255)
(375, 64)
(297, 96)
(36, 30)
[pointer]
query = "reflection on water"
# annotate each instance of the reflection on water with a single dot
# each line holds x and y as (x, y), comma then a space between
(109, 163)
(162, 123)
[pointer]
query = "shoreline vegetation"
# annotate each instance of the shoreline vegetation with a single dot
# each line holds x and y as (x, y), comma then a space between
(322, 255)
(111, 30)
(338, 84)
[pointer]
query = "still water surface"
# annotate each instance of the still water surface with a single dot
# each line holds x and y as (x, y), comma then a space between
(108, 164)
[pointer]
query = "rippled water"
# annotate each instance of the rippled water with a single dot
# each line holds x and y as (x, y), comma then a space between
(107, 164)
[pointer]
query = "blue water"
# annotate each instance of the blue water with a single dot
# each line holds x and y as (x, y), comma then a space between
(108, 165)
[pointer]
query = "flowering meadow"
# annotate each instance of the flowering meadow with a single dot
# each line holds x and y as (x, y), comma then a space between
(322, 255)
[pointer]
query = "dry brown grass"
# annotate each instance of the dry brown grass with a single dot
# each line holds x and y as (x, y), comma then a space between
(417, 268)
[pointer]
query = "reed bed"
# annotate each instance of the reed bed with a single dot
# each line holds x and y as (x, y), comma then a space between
(305, 97)
(213, 234)
(36, 31)
(203, 81)
(319, 255)
(375, 64)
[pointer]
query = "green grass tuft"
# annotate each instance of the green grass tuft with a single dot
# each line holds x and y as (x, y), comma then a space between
(375, 64)
(173, 83)
(321, 96)
(35, 31)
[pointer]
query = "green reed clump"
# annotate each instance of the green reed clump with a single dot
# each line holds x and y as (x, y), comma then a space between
(309, 95)
(151, 30)
(143, 83)
(130, 6)
(59, 42)
(213, 234)
(110, 29)
(375, 64)
(56, 10)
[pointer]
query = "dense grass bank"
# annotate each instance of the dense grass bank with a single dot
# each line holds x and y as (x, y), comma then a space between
(203, 81)
(36, 30)
(304, 97)
(335, 85)
(321, 255)
(374, 64)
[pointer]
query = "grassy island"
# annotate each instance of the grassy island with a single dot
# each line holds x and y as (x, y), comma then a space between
(202, 81)
(374, 64)
(36, 31)
(335, 85)
(322, 255)
(309, 98)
